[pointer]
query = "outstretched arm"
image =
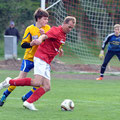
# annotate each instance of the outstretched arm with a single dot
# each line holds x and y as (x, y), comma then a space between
(61, 53)
(39, 40)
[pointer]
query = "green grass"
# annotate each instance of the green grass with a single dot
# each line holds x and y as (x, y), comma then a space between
(20, 51)
(2, 50)
(94, 100)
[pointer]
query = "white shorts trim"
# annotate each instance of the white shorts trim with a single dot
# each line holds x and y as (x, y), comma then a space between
(41, 68)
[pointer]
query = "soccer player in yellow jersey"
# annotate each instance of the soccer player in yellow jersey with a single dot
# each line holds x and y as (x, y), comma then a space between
(32, 32)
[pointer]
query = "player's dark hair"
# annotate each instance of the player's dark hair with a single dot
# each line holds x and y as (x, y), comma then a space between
(70, 18)
(39, 13)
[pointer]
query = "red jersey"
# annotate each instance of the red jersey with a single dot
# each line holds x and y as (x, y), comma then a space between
(48, 49)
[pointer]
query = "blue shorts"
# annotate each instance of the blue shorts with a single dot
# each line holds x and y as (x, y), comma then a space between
(26, 65)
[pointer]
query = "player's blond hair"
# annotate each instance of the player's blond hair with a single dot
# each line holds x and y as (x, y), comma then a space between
(117, 25)
(39, 13)
(70, 18)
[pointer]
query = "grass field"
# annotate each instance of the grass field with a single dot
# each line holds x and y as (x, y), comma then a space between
(94, 100)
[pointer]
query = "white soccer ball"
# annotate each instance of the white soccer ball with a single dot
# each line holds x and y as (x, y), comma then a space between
(67, 105)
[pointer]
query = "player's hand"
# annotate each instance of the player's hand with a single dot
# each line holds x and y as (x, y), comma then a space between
(35, 42)
(42, 31)
(61, 53)
(101, 55)
(32, 43)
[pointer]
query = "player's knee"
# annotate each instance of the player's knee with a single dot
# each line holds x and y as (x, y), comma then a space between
(47, 88)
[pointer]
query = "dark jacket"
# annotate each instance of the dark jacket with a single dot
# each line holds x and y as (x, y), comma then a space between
(13, 31)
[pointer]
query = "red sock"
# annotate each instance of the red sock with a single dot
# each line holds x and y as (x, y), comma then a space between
(20, 82)
(36, 95)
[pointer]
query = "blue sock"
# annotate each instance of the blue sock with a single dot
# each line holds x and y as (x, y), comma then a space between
(3, 98)
(6, 93)
(29, 93)
(102, 71)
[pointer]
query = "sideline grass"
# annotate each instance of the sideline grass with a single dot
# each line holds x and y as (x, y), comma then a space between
(94, 100)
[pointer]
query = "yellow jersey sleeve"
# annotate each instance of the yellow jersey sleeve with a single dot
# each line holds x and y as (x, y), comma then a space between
(27, 36)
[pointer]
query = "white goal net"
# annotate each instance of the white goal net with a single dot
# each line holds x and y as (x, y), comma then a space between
(95, 20)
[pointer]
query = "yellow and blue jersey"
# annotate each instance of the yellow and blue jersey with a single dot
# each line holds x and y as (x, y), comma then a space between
(32, 32)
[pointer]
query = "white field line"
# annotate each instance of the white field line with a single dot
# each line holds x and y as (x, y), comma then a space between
(76, 101)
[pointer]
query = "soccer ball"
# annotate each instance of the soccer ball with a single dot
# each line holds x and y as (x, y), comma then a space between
(67, 105)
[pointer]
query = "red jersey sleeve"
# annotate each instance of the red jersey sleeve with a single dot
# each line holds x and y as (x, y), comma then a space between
(52, 33)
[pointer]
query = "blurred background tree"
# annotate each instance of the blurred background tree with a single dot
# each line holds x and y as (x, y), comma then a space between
(20, 11)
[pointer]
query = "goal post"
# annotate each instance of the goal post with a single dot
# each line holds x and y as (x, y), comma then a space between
(43, 4)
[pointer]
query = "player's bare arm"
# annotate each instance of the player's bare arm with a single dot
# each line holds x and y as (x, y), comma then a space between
(28, 45)
(39, 40)
(61, 53)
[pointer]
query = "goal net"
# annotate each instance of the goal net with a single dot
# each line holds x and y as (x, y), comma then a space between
(95, 20)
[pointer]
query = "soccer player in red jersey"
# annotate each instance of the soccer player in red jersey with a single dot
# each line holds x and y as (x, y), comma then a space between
(47, 50)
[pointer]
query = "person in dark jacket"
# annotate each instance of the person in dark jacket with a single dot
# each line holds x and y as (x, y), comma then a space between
(12, 31)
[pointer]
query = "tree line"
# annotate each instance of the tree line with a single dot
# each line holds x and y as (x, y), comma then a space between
(20, 11)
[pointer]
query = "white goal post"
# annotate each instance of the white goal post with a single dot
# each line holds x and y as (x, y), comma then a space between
(43, 4)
